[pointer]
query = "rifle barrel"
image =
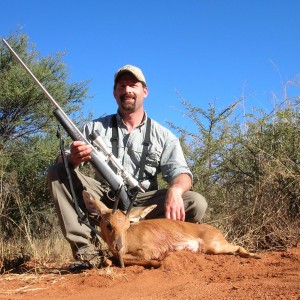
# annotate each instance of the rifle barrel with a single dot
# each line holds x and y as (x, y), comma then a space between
(114, 181)
(39, 84)
(30, 73)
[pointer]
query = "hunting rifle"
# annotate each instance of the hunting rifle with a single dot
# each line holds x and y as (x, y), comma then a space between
(99, 159)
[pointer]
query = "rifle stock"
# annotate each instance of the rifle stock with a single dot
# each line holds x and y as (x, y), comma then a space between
(98, 160)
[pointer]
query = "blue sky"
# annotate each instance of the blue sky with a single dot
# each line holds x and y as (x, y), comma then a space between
(207, 51)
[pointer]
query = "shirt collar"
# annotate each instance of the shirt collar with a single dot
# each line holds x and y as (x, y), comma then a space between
(121, 123)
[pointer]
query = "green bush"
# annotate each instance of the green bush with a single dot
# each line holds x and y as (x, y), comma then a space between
(249, 173)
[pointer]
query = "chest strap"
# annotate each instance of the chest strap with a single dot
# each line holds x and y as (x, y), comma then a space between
(146, 143)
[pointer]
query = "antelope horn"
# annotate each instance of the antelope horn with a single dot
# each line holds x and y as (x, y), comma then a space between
(130, 207)
(117, 198)
(131, 203)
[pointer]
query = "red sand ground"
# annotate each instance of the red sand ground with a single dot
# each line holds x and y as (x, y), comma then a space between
(182, 275)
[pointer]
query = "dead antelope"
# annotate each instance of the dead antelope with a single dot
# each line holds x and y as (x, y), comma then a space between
(147, 242)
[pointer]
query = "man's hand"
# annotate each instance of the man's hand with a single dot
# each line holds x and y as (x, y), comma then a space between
(79, 153)
(174, 208)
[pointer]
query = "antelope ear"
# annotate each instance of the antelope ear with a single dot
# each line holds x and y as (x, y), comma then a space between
(139, 213)
(94, 206)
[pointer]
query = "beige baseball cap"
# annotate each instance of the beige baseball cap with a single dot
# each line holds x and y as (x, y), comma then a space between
(137, 72)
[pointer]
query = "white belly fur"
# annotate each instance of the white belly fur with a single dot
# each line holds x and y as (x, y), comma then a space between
(190, 245)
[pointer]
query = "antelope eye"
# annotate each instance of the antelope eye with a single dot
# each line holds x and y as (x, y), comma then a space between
(108, 226)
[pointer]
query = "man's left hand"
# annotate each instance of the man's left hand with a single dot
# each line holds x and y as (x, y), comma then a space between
(174, 208)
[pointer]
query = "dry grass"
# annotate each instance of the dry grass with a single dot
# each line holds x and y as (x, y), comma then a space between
(15, 255)
(30, 282)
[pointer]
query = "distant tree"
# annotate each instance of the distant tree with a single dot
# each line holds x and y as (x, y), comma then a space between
(28, 144)
(204, 147)
(24, 109)
(248, 170)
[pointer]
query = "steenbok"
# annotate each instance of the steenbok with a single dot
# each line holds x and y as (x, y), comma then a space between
(146, 242)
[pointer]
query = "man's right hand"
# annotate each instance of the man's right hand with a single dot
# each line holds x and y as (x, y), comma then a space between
(79, 153)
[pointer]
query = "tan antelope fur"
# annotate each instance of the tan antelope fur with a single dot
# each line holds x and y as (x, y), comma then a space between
(147, 242)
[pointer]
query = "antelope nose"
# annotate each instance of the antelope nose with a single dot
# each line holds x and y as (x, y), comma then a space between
(118, 244)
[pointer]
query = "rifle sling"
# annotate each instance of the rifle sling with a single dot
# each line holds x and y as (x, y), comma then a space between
(82, 218)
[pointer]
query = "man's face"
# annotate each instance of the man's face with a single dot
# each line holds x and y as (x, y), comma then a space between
(129, 93)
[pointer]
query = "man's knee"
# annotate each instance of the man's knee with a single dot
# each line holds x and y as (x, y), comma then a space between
(56, 171)
(195, 206)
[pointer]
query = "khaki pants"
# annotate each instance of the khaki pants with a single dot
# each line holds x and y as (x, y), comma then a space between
(80, 235)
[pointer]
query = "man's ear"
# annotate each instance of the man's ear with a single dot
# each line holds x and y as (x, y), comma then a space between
(146, 92)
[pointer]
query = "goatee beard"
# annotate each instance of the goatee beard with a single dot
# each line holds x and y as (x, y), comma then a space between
(128, 107)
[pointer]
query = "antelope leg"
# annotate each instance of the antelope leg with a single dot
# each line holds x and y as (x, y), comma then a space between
(121, 260)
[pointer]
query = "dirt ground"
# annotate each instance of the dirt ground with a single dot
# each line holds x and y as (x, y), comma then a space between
(183, 275)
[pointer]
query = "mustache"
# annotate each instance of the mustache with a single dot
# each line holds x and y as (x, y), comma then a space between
(127, 95)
